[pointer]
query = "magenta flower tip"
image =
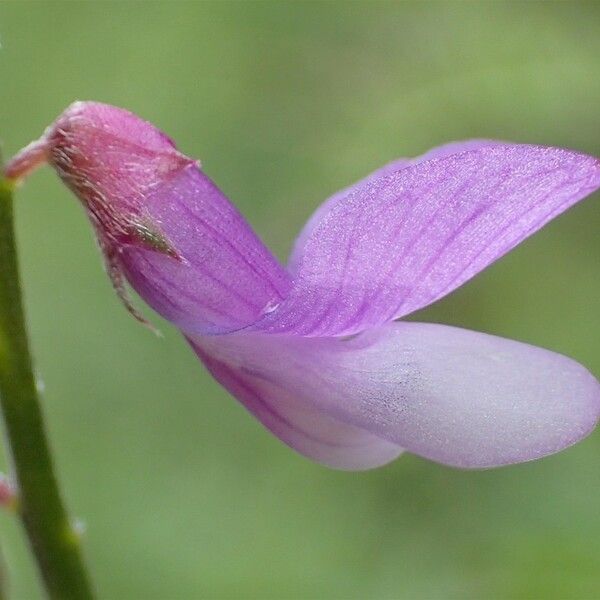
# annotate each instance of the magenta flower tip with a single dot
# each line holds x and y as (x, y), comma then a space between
(112, 159)
(313, 351)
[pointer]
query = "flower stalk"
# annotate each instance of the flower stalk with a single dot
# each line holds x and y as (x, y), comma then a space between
(52, 538)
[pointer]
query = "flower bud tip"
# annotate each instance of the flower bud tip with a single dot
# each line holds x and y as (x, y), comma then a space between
(8, 493)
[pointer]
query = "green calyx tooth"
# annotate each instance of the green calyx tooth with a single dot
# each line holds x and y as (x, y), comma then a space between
(153, 239)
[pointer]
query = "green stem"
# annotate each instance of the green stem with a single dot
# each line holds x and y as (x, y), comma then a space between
(3, 582)
(53, 540)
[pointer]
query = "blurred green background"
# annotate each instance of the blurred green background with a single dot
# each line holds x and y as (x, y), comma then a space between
(184, 495)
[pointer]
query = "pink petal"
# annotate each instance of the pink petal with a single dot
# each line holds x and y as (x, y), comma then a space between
(397, 243)
(306, 429)
(400, 163)
(454, 396)
(226, 279)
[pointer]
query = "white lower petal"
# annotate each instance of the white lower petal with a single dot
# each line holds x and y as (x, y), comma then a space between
(454, 396)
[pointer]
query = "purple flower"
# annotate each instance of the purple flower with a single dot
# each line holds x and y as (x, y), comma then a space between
(314, 351)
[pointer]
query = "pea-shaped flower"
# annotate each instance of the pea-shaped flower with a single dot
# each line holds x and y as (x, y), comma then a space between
(315, 351)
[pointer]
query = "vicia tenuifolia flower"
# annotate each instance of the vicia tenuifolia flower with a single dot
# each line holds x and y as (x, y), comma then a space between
(315, 350)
